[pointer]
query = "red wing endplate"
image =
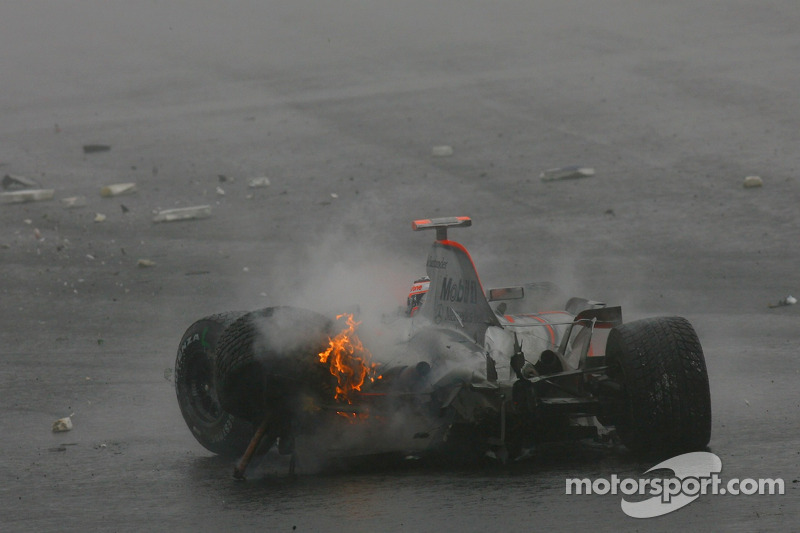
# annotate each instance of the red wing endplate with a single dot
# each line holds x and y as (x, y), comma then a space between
(456, 298)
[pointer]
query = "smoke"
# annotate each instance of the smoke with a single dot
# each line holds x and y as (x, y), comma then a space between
(347, 269)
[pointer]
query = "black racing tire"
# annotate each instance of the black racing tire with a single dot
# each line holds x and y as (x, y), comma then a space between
(664, 403)
(217, 430)
(267, 357)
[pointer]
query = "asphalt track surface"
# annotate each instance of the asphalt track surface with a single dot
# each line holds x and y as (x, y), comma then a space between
(339, 104)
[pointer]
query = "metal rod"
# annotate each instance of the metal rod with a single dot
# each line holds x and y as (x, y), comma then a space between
(238, 471)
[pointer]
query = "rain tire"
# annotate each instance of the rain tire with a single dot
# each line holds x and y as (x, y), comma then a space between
(664, 396)
(269, 356)
(217, 430)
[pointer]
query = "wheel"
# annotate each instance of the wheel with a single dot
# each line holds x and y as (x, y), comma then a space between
(663, 394)
(267, 357)
(213, 427)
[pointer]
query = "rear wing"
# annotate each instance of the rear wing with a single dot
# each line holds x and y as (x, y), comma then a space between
(441, 225)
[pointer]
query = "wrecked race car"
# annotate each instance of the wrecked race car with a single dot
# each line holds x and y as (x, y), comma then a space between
(485, 373)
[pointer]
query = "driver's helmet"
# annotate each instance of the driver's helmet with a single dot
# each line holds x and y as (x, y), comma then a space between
(417, 294)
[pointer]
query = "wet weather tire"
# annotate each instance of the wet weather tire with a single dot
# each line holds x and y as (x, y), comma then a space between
(213, 427)
(269, 356)
(664, 400)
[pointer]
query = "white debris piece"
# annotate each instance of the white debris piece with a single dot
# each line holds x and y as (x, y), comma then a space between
(62, 424)
(118, 189)
(442, 151)
(183, 213)
(73, 202)
(220, 191)
(146, 263)
(566, 173)
(789, 300)
(31, 195)
(99, 217)
(256, 183)
(752, 181)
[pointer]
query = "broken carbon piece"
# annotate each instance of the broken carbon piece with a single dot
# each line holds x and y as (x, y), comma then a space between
(257, 183)
(183, 213)
(442, 151)
(566, 173)
(74, 202)
(751, 182)
(95, 148)
(117, 189)
(789, 300)
(28, 195)
(11, 183)
(62, 424)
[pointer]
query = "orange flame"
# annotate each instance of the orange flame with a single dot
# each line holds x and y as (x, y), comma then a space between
(348, 359)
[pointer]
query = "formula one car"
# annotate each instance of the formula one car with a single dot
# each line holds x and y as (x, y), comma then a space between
(485, 373)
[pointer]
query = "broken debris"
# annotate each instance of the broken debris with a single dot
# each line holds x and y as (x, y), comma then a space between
(566, 173)
(183, 213)
(95, 148)
(256, 183)
(145, 263)
(30, 195)
(751, 182)
(117, 189)
(62, 424)
(73, 202)
(789, 300)
(442, 151)
(11, 183)
(99, 217)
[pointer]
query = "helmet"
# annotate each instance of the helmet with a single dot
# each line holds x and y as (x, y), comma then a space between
(417, 294)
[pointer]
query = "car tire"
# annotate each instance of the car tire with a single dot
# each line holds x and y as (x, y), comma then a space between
(217, 430)
(664, 402)
(269, 356)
